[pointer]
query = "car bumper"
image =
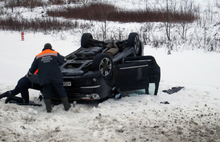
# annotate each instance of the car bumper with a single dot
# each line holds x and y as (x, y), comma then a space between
(90, 86)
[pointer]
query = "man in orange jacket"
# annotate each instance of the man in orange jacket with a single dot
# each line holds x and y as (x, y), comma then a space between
(47, 62)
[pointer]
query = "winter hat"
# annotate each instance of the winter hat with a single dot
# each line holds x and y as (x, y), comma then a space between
(47, 46)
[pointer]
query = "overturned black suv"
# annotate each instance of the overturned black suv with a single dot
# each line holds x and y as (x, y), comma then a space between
(102, 69)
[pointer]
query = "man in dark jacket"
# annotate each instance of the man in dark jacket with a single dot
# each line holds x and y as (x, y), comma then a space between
(47, 62)
(22, 87)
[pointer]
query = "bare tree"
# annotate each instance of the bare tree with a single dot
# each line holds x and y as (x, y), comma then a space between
(168, 23)
(105, 16)
(146, 32)
(186, 7)
(11, 4)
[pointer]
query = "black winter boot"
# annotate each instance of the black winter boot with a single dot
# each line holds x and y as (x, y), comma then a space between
(6, 94)
(66, 104)
(48, 105)
(16, 99)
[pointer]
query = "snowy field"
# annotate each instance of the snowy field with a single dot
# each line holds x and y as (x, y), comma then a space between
(193, 114)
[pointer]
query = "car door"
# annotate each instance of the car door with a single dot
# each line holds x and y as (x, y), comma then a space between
(132, 74)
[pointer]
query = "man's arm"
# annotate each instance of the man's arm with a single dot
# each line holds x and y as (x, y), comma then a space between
(33, 68)
(60, 59)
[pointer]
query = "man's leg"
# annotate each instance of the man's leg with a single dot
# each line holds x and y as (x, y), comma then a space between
(63, 95)
(22, 87)
(13, 92)
(17, 90)
(46, 91)
(24, 84)
(16, 99)
(5, 94)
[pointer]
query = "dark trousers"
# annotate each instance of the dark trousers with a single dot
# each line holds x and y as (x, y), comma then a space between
(22, 87)
(47, 90)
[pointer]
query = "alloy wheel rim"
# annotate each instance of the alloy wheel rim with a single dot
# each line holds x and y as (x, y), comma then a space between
(105, 66)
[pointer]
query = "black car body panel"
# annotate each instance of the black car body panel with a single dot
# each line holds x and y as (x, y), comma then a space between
(89, 73)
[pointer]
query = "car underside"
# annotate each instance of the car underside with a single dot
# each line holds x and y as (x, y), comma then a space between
(101, 69)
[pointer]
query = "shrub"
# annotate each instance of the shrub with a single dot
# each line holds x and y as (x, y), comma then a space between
(24, 3)
(37, 24)
(102, 12)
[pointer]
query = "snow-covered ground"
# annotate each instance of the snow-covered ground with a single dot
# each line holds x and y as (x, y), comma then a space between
(193, 114)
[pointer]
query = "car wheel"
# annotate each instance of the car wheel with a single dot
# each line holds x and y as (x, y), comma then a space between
(86, 39)
(104, 64)
(133, 40)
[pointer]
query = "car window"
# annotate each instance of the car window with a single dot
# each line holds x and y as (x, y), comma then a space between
(151, 90)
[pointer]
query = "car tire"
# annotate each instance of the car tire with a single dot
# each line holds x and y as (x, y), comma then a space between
(86, 39)
(133, 41)
(104, 64)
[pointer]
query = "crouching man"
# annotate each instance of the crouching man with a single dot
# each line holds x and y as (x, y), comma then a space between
(22, 87)
(47, 62)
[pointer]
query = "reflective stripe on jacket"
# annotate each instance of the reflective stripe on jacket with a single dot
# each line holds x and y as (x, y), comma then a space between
(47, 52)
